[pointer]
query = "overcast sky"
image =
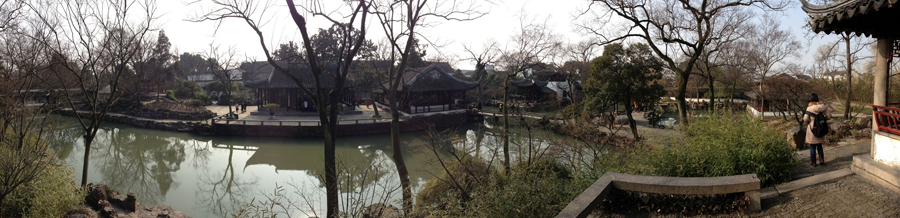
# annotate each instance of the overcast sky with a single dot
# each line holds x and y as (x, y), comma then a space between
(498, 25)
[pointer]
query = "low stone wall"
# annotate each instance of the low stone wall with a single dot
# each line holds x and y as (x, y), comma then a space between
(196, 126)
(411, 124)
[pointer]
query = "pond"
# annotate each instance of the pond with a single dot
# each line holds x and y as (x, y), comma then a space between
(208, 176)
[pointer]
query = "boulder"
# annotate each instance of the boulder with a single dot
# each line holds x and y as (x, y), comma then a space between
(797, 138)
(106, 209)
(381, 210)
(96, 193)
(863, 122)
(838, 128)
(131, 202)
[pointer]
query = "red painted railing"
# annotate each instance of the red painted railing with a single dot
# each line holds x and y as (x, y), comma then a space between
(887, 118)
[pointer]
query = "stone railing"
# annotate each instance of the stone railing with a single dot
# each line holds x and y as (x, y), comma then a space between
(587, 201)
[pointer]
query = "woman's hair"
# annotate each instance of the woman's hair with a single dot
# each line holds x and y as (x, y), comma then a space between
(815, 98)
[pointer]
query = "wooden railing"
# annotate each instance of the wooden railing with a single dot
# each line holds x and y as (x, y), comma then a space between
(887, 118)
(294, 122)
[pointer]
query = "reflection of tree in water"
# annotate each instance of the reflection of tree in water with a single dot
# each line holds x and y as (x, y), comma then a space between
(223, 194)
(62, 140)
(138, 162)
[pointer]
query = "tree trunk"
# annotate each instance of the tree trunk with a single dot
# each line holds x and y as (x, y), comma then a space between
(88, 139)
(374, 106)
(682, 105)
(849, 78)
(505, 108)
(631, 123)
(331, 190)
(398, 161)
(712, 92)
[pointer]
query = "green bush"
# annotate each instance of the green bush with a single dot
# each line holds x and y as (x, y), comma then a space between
(50, 194)
(171, 95)
(724, 144)
(539, 189)
(203, 98)
(271, 106)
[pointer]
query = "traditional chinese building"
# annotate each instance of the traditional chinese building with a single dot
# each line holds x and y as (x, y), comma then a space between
(875, 18)
(431, 89)
(274, 87)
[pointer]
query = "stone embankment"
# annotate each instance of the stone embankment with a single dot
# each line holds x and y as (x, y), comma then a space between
(104, 202)
(168, 125)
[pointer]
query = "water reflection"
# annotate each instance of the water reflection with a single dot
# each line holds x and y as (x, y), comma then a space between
(211, 176)
(139, 163)
(223, 192)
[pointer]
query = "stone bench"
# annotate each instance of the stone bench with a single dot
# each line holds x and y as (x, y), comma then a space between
(584, 204)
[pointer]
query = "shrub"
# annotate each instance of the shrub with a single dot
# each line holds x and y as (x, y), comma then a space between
(171, 95)
(539, 189)
(271, 106)
(51, 194)
(202, 98)
(723, 144)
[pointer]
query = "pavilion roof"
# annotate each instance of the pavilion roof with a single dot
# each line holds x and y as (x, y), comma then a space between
(273, 79)
(860, 17)
(529, 83)
(435, 77)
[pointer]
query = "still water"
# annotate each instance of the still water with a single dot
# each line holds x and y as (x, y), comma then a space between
(210, 176)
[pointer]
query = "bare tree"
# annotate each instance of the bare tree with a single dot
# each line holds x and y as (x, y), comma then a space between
(223, 64)
(400, 21)
(23, 149)
(326, 100)
(93, 45)
(578, 66)
(10, 11)
(531, 45)
(779, 44)
(671, 27)
(487, 55)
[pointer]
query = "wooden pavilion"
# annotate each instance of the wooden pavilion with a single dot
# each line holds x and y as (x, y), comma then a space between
(274, 87)
(873, 18)
(431, 89)
(531, 90)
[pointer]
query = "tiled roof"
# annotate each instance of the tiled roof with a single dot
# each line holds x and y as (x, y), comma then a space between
(862, 17)
(435, 77)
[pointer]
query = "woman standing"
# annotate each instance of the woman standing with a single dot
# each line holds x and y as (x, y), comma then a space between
(814, 108)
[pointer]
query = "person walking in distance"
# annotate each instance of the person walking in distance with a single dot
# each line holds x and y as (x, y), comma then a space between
(816, 117)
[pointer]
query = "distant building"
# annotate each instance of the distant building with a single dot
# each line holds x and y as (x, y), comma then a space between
(430, 89)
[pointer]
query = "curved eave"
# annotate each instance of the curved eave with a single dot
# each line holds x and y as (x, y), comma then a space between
(849, 16)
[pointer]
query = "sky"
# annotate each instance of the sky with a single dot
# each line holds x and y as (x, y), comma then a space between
(498, 24)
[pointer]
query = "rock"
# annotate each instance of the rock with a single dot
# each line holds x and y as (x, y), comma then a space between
(96, 193)
(107, 209)
(797, 138)
(863, 122)
(838, 128)
(131, 202)
(381, 210)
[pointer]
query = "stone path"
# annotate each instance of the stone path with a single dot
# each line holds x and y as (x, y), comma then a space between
(367, 113)
(846, 196)
(836, 158)
(851, 196)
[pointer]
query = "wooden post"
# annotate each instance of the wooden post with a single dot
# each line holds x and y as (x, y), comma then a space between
(882, 65)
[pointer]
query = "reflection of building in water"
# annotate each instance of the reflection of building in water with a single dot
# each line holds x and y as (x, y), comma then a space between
(354, 153)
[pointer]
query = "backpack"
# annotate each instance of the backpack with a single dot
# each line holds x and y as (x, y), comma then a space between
(819, 124)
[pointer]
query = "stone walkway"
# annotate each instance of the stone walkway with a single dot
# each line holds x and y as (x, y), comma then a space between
(367, 113)
(849, 196)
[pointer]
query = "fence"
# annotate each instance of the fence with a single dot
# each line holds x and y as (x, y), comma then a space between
(293, 122)
(887, 118)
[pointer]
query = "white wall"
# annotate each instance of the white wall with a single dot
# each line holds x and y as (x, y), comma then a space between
(886, 148)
